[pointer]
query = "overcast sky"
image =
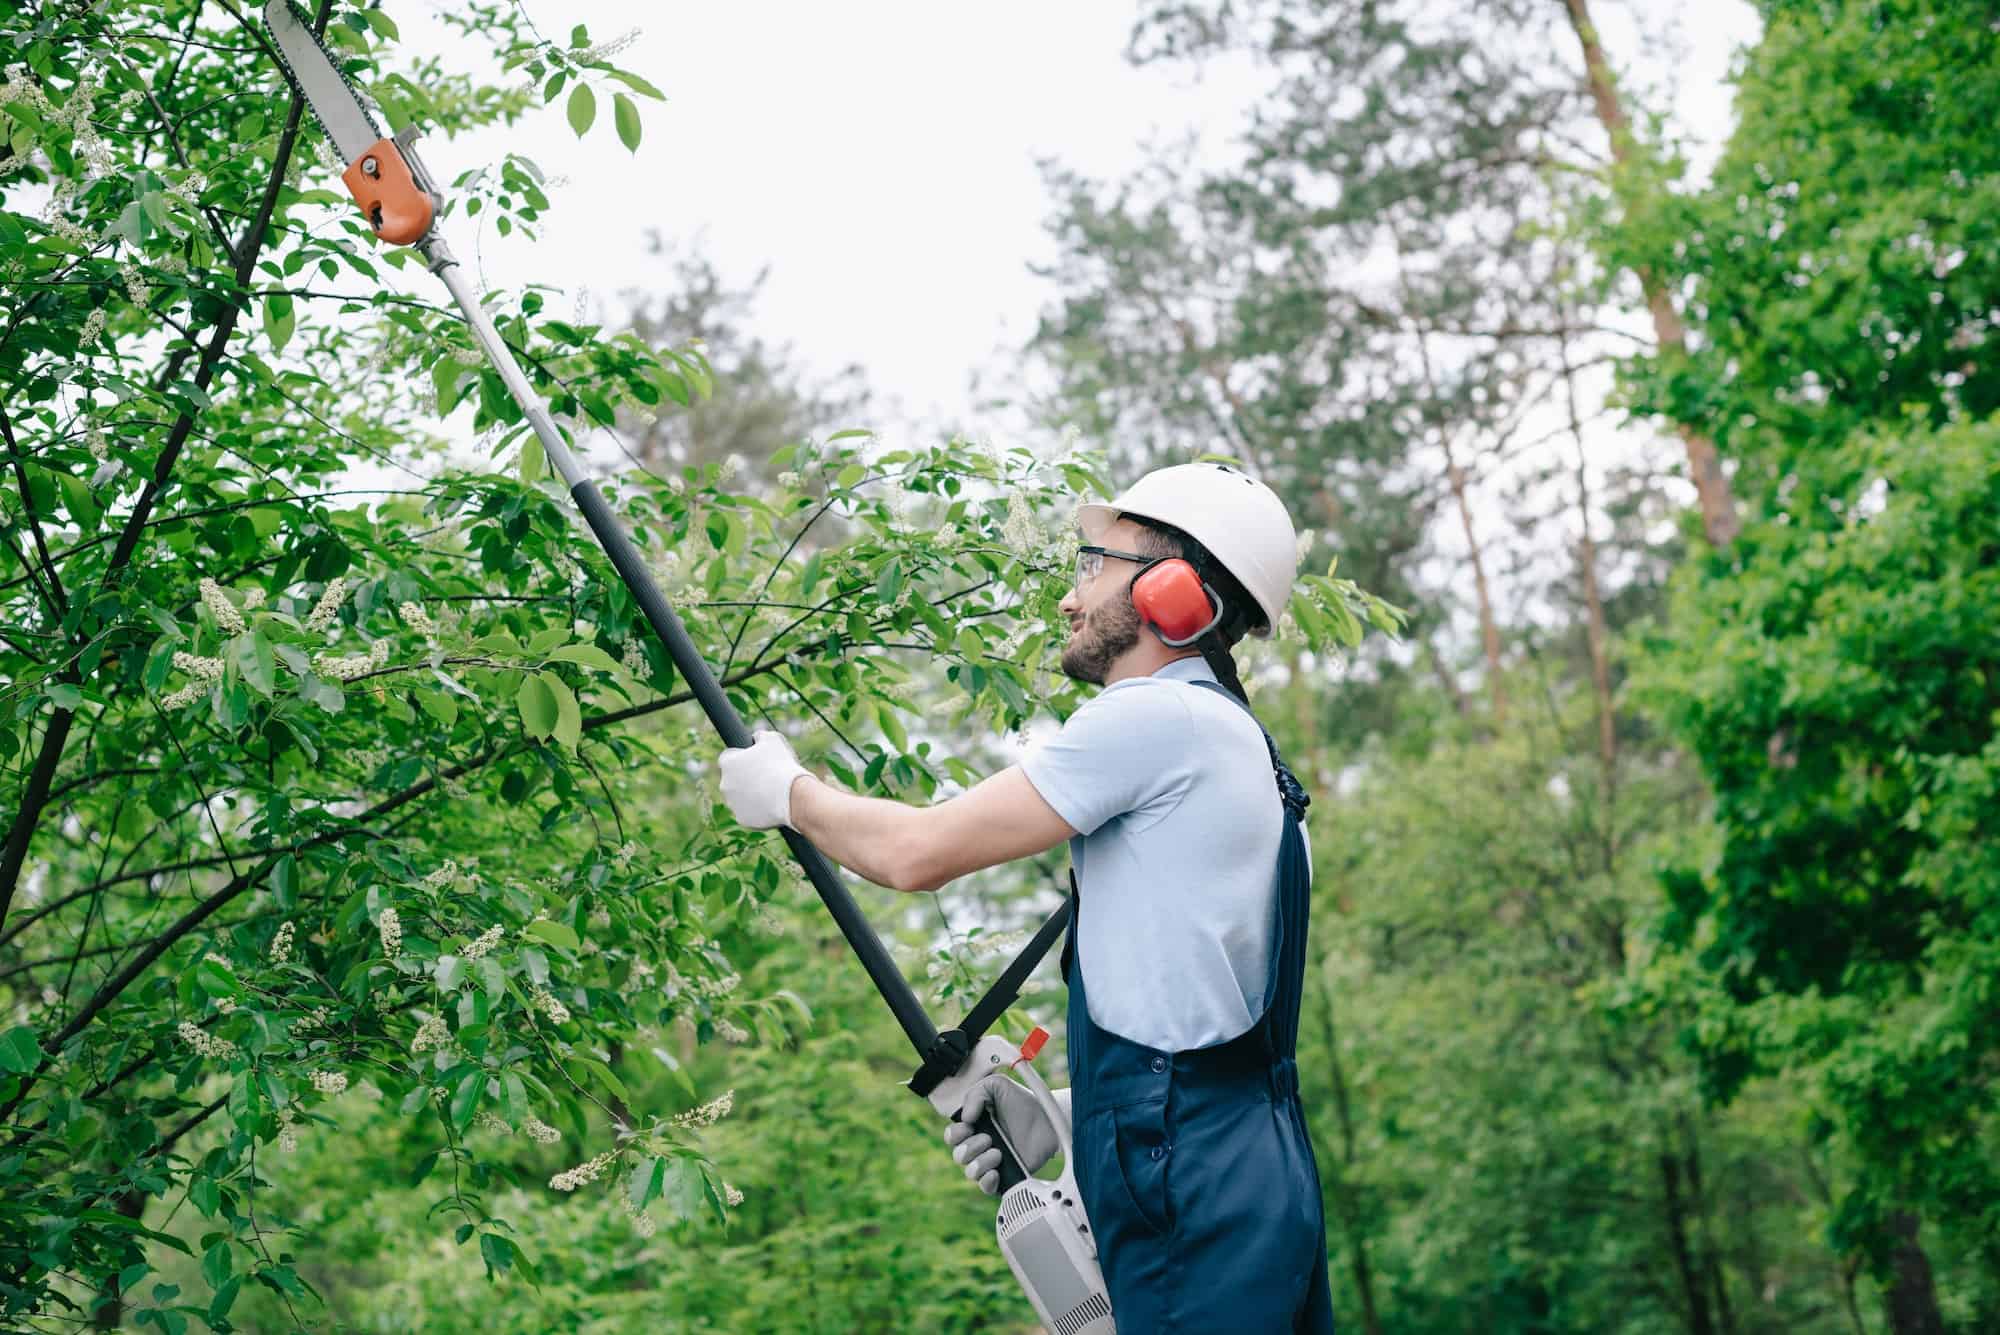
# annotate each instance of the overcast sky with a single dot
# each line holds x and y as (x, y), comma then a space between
(880, 158)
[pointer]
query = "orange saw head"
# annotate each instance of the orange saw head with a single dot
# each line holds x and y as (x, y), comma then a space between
(383, 184)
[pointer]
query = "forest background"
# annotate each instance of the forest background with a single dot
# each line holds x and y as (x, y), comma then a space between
(374, 954)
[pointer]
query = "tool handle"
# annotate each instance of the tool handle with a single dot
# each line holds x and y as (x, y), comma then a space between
(666, 624)
(1011, 1170)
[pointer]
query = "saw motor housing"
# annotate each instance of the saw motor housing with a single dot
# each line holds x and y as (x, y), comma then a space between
(1043, 1230)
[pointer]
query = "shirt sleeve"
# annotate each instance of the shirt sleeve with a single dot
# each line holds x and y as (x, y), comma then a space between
(1124, 751)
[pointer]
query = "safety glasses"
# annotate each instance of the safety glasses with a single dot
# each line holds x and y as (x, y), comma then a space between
(1090, 560)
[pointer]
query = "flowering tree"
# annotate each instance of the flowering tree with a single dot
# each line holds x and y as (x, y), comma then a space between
(336, 772)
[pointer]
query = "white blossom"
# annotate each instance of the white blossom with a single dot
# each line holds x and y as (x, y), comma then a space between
(588, 1171)
(731, 1195)
(606, 50)
(482, 943)
(440, 878)
(329, 1082)
(715, 987)
(328, 606)
(226, 616)
(207, 1044)
(345, 667)
(93, 327)
(539, 1131)
(418, 620)
(488, 1120)
(633, 658)
(1020, 532)
(708, 1114)
(431, 1034)
(202, 669)
(546, 1002)
(731, 1033)
(391, 927)
(642, 1223)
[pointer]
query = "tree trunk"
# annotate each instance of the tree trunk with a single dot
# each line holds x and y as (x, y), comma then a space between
(1699, 1320)
(1719, 520)
(1911, 1297)
(1704, 1210)
(1593, 599)
(1489, 625)
(1446, 678)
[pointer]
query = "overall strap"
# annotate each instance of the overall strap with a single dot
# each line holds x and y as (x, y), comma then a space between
(1290, 790)
(1280, 1022)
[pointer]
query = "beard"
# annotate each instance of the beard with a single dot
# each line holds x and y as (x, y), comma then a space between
(1105, 635)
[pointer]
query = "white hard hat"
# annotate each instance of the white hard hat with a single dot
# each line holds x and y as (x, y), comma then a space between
(1238, 519)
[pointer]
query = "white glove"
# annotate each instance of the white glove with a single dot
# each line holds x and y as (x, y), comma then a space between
(757, 781)
(1021, 1120)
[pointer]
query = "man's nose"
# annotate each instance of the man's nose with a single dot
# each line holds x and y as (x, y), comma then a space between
(1070, 604)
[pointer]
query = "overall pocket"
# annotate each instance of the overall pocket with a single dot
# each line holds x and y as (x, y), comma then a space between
(1140, 1153)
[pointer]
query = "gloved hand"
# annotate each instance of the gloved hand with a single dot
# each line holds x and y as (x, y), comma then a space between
(757, 781)
(1021, 1120)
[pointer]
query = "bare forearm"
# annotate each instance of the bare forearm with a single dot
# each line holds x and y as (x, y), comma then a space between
(869, 836)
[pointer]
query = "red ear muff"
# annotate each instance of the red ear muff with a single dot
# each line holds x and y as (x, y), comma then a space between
(1171, 598)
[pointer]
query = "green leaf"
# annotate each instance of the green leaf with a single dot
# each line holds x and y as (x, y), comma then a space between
(20, 1050)
(496, 1251)
(450, 972)
(890, 583)
(586, 655)
(681, 1189)
(465, 1099)
(582, 108)
(646, 1183)
(256, 662)
(625, 112)
(82, 505)
(548, 639)
(637, 84)
(533, 462)
(569, 719)
(537, 704)
(216, 1264)
(225, 1298)
(438, 705)
(279, 320)
(218, 980)
(555, 933)
(382, 24)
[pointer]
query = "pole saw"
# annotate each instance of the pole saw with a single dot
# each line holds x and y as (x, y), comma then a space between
(1041, 1224)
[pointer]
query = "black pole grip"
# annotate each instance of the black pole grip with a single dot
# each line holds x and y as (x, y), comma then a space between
(1010, 1167)
(861, 938)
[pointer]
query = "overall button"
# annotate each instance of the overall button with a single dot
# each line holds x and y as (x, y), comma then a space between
(1159, 1063)
(1159, 1152)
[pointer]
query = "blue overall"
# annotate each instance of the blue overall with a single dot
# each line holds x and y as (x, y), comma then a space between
(1195, 1167)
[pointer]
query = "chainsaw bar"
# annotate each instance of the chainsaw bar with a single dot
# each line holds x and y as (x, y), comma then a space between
(335, 103)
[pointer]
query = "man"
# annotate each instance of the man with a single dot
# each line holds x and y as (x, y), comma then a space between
(1187, 948)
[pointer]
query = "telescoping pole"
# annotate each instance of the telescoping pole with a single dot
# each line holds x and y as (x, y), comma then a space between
(666, 623)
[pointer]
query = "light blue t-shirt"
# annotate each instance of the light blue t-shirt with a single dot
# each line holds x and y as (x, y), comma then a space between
(1169, 786)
